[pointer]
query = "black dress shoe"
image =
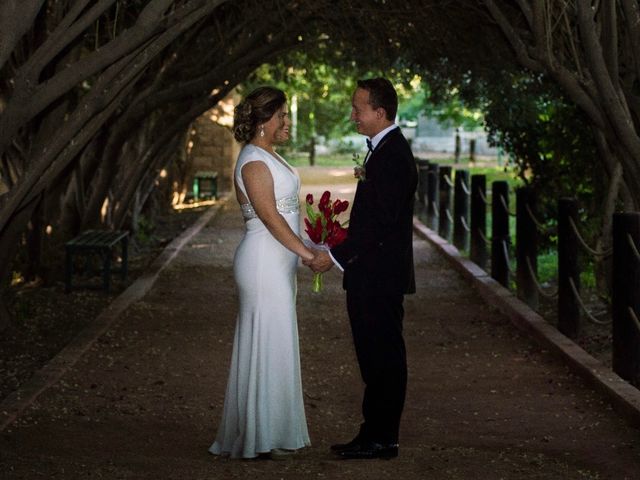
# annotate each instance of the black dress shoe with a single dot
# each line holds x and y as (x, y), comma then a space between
(371, 450)
(340, 447)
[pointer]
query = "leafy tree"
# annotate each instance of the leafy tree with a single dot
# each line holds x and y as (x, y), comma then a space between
(548, 141)
(95, 100)
(94, 96)
(591, 50)
(448, 108)
(551, 148)
(323, 94)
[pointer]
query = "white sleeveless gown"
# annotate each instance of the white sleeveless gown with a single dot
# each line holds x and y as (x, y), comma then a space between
(263, 407)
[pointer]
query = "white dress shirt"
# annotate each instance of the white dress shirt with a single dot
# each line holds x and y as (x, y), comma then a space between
(379, 136)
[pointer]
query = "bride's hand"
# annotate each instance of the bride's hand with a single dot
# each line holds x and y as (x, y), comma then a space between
(321, 262)
(308, 257)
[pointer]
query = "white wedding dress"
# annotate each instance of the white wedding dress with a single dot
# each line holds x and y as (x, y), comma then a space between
(263, 406)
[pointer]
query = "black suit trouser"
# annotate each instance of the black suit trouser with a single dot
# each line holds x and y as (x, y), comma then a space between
(376, 325)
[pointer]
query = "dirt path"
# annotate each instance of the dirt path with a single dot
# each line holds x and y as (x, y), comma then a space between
(483, 402)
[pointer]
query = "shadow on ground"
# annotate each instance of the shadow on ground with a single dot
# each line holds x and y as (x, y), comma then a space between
(483, 402)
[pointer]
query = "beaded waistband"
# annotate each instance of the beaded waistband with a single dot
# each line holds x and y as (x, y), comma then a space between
(284, 205)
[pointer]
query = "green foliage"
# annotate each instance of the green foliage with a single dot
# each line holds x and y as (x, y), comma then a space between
(449, 108)
(452, 110)
(546, 137)
(323, 94)
(549, 145)
(323, 84)
(144, 230)
(548, 270)
(548, 266)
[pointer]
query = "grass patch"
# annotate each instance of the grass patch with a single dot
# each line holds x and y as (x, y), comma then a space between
(548, 270)
(548, 266)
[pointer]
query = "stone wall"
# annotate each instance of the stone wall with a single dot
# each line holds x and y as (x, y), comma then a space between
(211, 146)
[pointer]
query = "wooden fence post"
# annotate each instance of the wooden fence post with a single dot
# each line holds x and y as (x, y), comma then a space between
(461, 210)
(478, 246)
(526, 247)
(421, 191)
(472, 150)
(568, 270)
(500, 232)
(433, 196)
(626, 296)
(444, 226)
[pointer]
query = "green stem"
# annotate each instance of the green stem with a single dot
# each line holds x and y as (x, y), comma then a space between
(317, 282)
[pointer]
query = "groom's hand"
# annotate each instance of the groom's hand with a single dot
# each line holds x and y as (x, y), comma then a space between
(321, 262)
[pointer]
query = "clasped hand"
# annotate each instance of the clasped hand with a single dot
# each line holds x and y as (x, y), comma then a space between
(321, 261)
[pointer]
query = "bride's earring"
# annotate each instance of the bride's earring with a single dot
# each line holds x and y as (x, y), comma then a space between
(262, 130)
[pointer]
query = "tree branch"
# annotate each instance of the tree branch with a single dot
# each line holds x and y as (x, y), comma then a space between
(609, 42)
(613, 104)
(632, 18)
(66, 32)
(16, 18)
(29, 100)
(514, 39)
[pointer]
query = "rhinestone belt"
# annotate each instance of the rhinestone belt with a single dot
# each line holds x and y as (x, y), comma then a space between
(284, 205)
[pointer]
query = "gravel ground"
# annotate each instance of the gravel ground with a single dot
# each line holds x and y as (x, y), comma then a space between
(483, 401)
(46, 318)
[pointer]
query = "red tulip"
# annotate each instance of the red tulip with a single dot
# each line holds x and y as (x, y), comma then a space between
(327, 211)
(314, 231)
(337, 236)
(324, 200)
(308, 227)
(340, 206)
(322, 225)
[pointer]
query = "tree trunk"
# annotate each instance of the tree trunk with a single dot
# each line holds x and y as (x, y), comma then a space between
(16, 18)
(312, 151)
(164, 160)
(34, 240)
(176, 127)
(603, 264)
(9, 243)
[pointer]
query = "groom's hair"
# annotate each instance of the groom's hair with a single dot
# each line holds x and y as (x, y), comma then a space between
(381, 95)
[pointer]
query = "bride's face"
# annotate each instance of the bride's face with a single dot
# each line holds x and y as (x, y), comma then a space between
(277, 128)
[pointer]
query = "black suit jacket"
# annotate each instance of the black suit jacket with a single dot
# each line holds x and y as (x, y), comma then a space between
(378, 252)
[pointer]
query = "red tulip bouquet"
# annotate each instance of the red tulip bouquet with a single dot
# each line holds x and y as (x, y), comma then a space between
(323, 227)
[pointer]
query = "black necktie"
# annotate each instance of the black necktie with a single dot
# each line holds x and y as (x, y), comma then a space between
(369, 145)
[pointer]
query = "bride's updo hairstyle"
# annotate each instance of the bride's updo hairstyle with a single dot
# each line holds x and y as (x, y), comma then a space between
(256, 108)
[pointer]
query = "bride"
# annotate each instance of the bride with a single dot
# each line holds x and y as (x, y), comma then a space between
(263, 409)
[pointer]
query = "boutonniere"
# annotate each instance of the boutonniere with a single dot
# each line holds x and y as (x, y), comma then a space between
(359, 171)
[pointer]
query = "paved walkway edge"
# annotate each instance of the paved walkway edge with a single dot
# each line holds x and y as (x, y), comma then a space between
(625, 397)
(16, 402)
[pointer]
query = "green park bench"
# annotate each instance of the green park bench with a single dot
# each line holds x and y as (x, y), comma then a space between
(205, 184)
(100, 242)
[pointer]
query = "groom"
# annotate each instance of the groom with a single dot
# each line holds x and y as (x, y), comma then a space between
(377, 260)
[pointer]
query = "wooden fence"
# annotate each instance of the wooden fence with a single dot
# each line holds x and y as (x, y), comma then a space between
(454, 204)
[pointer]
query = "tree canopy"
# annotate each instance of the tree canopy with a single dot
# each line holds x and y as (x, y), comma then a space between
(96, 96)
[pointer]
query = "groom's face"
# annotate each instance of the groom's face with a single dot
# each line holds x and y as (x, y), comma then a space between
(366, 118)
